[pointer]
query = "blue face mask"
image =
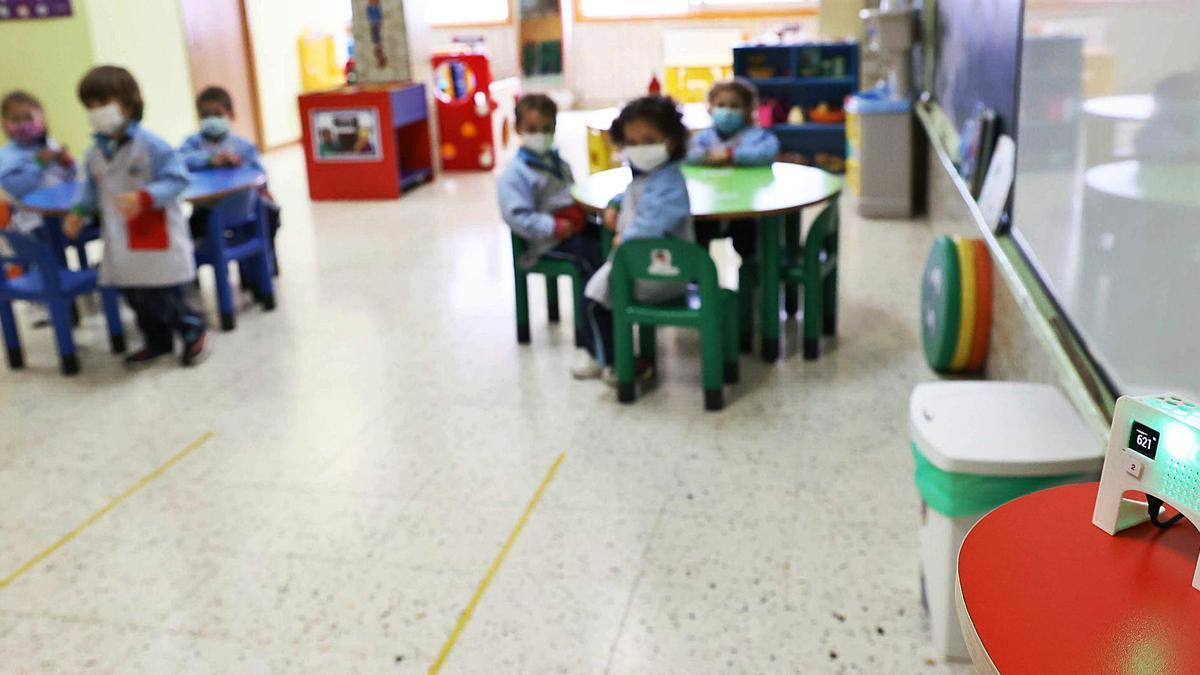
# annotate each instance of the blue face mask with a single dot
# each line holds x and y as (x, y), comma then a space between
(728, 120)
(214, 127)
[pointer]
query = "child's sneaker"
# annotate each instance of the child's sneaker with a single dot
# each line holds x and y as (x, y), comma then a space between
(145, 356)
(643, 372)
(586, 367)
(193, 347)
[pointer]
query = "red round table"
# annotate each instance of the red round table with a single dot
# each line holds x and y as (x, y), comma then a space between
(1041, 589)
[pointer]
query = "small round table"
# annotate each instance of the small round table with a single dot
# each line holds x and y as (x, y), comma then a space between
(1041, 589)
(767, 193)
(54, 203)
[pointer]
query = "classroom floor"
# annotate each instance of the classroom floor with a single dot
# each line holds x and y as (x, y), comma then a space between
(346, 469)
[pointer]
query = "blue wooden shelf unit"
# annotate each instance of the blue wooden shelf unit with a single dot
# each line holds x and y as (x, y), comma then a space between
(804, 75)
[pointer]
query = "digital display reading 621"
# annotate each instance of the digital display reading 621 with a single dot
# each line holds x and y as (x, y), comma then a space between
(1143, 439)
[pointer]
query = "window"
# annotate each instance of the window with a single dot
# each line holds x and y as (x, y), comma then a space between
(452, 12)
(607, 9)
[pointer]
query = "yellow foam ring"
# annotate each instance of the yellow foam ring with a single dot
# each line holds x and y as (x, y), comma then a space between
(495, 566)
(112, 504)
(970, 292)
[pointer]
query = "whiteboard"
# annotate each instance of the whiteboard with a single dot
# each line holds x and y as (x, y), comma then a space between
(1106, 201)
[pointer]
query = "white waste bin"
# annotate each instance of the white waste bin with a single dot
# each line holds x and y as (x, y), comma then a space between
(976, 446)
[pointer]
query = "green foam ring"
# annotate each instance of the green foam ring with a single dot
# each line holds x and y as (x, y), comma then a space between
(941, 303)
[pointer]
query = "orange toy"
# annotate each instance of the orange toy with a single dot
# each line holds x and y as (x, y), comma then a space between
(983, 306)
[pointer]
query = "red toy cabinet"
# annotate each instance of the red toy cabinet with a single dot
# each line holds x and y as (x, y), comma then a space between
(464, 107)
(366, 142)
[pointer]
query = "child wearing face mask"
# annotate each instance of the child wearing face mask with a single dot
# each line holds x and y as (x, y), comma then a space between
(653, 140)
(216, 146)
(733, 140)
(134, 181)
(534, 192)
(32, 159)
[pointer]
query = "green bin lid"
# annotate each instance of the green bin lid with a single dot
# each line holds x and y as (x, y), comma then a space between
(941, 300)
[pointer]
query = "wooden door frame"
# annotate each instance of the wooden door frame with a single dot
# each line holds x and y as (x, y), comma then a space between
(252, 75)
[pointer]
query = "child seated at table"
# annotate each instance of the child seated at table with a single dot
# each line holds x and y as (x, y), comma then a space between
(32, 159)
(216, 146)
(653, 140)
(733, 140)
(534, 191)
(134, 180)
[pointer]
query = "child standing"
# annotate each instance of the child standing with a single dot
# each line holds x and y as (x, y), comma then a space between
(534, 190)
(134, 180)
(31, 159)
(733, 140)
(653, 139)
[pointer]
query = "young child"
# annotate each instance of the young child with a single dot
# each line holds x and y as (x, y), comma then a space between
(134, 180)
(534, 191)
(215, 146)
(31, 159)
(733, 140)
(653, 139)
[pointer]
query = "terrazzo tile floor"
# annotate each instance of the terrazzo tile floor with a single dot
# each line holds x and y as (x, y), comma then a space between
(375, 440)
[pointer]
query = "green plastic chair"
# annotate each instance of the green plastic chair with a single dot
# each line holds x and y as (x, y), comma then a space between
(813, 265)
(716, 318)
(551, 270)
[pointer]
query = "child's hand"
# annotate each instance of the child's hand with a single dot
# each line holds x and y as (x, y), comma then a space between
(129, 204)
(564, 229)
(232, 160)
(717, 156)
(46, 155)
(73, 225)
(610, 218)
(65, 158)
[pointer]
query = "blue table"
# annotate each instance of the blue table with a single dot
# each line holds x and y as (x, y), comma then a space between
(54, 203)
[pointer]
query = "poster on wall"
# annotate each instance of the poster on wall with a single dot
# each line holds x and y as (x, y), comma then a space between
(381, 41)
(346, 135)
(15, 10)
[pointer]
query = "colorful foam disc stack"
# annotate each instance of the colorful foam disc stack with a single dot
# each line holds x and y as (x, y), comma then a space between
(956, 304)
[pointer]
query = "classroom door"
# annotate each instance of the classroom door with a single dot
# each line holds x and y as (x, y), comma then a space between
(219, 54)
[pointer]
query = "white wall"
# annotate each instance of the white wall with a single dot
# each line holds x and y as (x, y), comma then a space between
(610, 61)
(275, 26)
(501, 44)
(148, 39)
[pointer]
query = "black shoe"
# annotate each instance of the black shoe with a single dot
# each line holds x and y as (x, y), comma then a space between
(145, 356)
(193, 347)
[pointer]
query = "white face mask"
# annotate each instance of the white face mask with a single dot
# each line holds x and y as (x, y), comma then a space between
(538, 143)
(214, 127)
(107, 119)
(646, 158)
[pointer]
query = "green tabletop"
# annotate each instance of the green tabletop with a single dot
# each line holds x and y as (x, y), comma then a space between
(725, 192)
(1166, 184)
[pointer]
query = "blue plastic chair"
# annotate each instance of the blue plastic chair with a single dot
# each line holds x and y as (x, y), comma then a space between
(237, 232)
(45, 281)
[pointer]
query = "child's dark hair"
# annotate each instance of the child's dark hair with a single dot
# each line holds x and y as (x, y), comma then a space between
(216, 95)
(105, 83)
(18, 97)
(660, 111)
(538, 103)
(745, 91)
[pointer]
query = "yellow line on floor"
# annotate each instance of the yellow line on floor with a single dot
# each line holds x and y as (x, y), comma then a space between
(487, 578)
(116, 501)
